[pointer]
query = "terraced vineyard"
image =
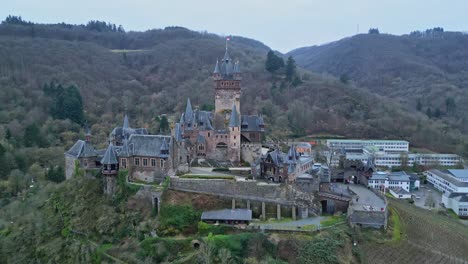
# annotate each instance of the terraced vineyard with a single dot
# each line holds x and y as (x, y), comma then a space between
(427, 237)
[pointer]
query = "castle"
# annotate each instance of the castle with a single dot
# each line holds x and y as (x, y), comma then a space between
(223, 135)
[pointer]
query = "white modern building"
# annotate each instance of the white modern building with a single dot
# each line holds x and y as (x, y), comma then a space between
(386, 153)
(400, 193)
(447, 181)
(386, 180)
(458, 202)
(357, 144)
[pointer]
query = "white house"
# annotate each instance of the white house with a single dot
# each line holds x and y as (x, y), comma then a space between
(458, 202)
(445, 181)
(385, 180)
(400, 193)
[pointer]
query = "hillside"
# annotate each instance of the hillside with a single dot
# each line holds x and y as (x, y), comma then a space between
(153, 76)
(426, 72)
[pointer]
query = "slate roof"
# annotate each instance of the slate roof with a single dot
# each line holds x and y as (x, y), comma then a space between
(228, 214)
(178, 133)
(227, 67)
(148, 145)
(251, 123)
(400, 190)
(449, 178)
(203, 119)
(459, 173)
(110, 156)
(82, 149)
(234, 119)
(368, 217)
(460, 197)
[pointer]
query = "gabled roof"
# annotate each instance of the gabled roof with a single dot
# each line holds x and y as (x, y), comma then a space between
(110, 157)
(252, 123)
(148, 145)
(82, 149)
(461, 197)
(228, 214)
(178, 133)
(459, 173)
(234, 119)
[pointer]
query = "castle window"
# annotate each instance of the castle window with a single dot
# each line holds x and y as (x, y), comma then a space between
(145, 162)
(153, 163)
(137, 161)
(123, 163)
(208, 134)
(161, 163)
(85, 163)
(234, 137)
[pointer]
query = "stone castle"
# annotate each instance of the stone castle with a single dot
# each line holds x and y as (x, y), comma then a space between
(224, 136)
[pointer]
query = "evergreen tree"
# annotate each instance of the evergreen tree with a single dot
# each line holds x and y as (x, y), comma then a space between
(164, 124)
(33, 136)
(56, 174)
(419, 105)
(67, 102)
(290, 69)
(273, 62)
(450, 105)
(374, 31)
(429, 112)
(437, 113)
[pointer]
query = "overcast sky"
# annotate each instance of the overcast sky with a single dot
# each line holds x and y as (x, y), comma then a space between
(283, 25)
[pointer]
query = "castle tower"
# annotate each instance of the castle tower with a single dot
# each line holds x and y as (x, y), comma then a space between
(110, 169)
(227, 82)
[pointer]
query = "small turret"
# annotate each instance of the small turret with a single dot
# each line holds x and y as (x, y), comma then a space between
(126, 123)
(164, 149)
(110, 169)
(234, 119)
(88, 134)
(188, 112)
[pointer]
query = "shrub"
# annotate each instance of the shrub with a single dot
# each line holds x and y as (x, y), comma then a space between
(176, 218)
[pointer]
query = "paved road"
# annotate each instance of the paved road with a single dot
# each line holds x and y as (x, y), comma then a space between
(424, 192)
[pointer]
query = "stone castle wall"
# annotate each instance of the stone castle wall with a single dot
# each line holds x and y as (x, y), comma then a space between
(248, 190)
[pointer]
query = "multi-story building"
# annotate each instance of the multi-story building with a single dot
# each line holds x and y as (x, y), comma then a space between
(446, 181)
(386, 153)
(357, 144)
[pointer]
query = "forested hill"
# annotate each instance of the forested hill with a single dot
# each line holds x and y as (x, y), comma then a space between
(54, 79)
(426, 71)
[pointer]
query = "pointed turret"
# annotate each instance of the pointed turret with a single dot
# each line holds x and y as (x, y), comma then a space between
(88, 134)
(164, 149)
(292, 154)
(216, 69)
(188, 112)
(110, 156)
(126, 123)
(234, 120)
